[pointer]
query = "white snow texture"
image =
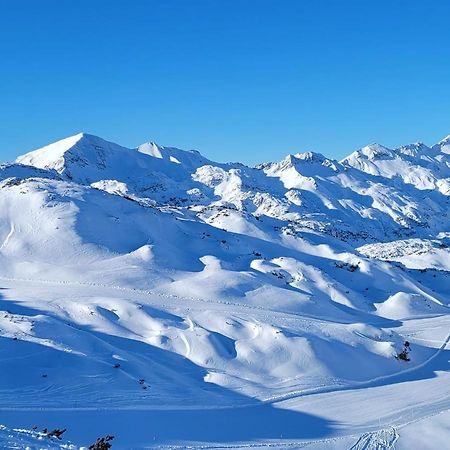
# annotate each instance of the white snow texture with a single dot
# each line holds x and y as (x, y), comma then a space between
(173, 302)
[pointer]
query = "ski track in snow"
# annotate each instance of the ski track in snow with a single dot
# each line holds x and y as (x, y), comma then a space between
(366, 383)
(377, 440)
(8, 237)
(169, 296)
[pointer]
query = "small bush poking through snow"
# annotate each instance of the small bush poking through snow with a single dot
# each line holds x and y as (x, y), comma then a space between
(102, 443)
(404, 354)
(57, 432)
(348, 266)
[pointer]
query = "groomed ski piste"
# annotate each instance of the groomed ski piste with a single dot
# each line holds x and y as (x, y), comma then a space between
(174, 302)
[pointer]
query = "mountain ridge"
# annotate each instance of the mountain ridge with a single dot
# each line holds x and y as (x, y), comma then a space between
(372, 186)
(74, 138)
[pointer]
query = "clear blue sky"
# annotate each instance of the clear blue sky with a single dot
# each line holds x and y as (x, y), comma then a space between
(248, 80)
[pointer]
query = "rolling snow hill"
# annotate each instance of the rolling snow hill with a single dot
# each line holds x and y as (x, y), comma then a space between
(169, 300)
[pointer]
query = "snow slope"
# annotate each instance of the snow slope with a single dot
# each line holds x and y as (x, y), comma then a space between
(156, 295)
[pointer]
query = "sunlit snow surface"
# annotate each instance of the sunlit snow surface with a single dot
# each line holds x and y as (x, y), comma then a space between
(172, 301)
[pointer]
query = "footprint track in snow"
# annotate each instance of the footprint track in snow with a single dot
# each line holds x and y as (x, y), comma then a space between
(384, 439)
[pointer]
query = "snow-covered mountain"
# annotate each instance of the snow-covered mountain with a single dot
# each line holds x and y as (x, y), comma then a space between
(187, 293)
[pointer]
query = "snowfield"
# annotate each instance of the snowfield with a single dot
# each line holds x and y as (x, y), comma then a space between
(175, 302)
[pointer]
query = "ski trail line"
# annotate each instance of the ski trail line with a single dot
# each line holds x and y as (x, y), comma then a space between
(11, 232)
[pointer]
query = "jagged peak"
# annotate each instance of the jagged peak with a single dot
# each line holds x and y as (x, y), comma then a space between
(372, 151)
(189, 158)
(305, 163)
(413, 145)
(300, 157)
(414, 149)
(375, 149)
(310, 156)
(150, 148)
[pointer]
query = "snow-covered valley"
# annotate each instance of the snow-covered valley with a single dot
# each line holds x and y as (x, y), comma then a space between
(173, 302)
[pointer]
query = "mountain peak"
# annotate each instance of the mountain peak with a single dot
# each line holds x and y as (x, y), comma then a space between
(151, 148)
(310, 156)
(87, 159)
(416, 149)
(81, 148)
(376, 150)
(370, 152)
